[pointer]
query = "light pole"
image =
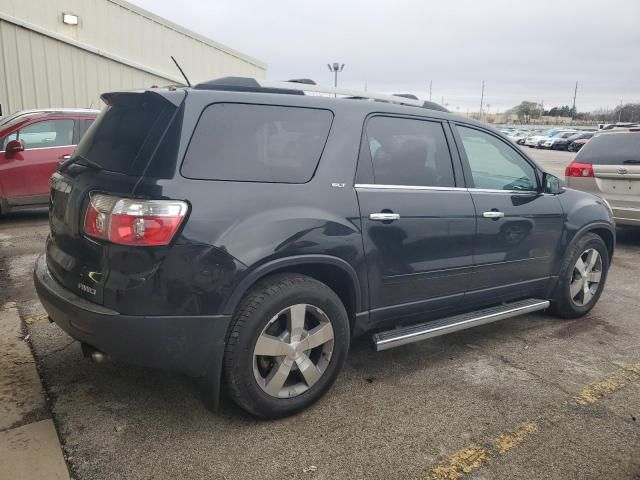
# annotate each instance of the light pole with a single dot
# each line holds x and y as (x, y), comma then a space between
(335, 68)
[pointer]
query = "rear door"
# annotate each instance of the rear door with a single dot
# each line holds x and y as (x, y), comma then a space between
(518, 227)
(615, 158)
(418, 220)
(47, 143)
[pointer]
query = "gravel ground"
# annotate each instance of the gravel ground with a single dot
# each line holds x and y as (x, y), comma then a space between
(533, 397)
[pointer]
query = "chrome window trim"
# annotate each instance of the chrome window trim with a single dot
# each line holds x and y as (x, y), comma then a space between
(373, 186)
(511, 192)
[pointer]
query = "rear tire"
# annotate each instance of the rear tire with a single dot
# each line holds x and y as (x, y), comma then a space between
(286, 345)
(582, 277)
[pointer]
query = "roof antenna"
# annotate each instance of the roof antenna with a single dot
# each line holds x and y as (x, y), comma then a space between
(178, 65)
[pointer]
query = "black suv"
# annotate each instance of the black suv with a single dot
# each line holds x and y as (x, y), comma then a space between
(246, 232)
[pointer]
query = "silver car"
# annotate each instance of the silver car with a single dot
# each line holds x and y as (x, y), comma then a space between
(609, 166)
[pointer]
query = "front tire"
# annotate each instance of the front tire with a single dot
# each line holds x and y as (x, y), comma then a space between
(582, 278)
(286, 345)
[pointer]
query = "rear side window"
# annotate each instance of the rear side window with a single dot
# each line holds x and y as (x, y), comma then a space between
(407, 151)
(257, 143)
(611, 149)
(126, 133)
(84, 126)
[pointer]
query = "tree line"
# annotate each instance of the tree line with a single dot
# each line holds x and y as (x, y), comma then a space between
(527, 111)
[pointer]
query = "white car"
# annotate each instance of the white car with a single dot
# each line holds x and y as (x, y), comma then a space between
(558, 136)
(533, 140)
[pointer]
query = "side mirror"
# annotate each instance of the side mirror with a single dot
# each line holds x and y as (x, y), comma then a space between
(14, 146)
(552, 184)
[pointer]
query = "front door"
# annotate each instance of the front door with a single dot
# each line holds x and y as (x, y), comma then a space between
(25, 175)
(418, 222)
(519, 228)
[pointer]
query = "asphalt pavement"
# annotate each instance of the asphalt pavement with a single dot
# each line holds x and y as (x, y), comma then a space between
(533, 397)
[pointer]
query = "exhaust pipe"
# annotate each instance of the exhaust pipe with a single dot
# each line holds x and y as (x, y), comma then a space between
(94, 354)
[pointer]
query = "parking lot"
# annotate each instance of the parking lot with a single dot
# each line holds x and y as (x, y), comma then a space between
(533, 397)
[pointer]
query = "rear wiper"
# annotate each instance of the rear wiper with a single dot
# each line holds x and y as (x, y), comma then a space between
(631, 161)
(80, 160)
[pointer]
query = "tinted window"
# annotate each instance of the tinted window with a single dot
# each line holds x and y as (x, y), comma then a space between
(126, 133)
(84, 126)
(257, 143)
(611, 149)
(494, 164)
(45, 134)
(409, 152)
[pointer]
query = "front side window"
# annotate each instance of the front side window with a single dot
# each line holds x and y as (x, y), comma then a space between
(495, 165)
(45, 134)
(257, 143)
(409, 152)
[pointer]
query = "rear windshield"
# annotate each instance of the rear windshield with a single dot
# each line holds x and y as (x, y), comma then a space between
(125, 135)
(257, 143)
(611, 149)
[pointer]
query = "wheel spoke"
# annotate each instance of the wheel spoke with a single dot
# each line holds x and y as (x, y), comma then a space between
(592, 258)
(320, 335)
(594, 277)
(587, 295)
(580, 266)
(276, 378)
(575, 287)
(296, 321)
(271, 346)
(308, 370)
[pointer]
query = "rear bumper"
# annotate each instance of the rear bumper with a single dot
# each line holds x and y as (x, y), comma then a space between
(189, 344)
(626, 216)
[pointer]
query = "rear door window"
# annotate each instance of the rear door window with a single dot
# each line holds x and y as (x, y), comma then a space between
(257, 143)
(611, 149)
(409, 152)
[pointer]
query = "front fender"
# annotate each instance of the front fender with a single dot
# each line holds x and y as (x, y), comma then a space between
(585, 212)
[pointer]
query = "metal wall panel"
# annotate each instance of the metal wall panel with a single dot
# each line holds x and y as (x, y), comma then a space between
(45, 63)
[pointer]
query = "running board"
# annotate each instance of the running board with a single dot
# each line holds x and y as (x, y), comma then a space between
(422, 331)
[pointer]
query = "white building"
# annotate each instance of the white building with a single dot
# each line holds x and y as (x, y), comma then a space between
(66, 53)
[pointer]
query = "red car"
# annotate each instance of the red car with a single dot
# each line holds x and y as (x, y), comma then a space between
(32, 145)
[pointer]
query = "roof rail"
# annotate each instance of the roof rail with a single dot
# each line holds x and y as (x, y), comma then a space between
(341, 91)
(298, 87)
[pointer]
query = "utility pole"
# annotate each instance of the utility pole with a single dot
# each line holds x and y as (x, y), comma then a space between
(481, 101)
(573, 109)
(442, 102)
(430, 89)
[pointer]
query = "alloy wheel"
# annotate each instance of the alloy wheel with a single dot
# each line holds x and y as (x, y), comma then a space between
(585, 280)
(293, 351)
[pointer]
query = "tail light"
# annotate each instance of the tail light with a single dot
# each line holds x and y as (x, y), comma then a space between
(131, 221)
(576, 169)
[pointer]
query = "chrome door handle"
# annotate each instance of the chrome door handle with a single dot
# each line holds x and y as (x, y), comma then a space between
(384, 217)
(493, 214)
